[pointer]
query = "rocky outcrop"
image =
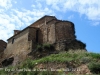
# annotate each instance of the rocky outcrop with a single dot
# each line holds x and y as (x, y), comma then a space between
(49, 30)
(70, 45)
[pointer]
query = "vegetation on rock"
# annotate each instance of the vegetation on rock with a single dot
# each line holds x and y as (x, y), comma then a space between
(71, 59)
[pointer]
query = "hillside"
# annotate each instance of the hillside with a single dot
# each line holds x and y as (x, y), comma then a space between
(64, 63)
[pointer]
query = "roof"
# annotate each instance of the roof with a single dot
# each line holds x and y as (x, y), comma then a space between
(58, 21)
(30, 26)
(2, 41)
(21, 32)
(42, 18)
(51, 20)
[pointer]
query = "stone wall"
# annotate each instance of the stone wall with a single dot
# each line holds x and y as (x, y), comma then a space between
(47, 30)
(3, 45)
(42, 25)
(34, 37)
(53, 30)
(32, 34)
(41, 21)
(70, 45)
(22, 41)
(18, 43)
(64, 30)
(51, 35)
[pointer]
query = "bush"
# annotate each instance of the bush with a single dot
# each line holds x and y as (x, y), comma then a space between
(85, 60)
(94, 67)
(46, 46)
(39, 48)
(28, 63)
(95, 55)
(3, 72)
(46, 73)
(28, 73)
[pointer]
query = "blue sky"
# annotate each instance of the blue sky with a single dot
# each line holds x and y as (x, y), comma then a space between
(85, 14)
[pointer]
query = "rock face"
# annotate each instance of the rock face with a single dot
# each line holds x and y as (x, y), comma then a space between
(48, 29)
(3, 45)
(70, 44)
(7, 62)
(65, 67)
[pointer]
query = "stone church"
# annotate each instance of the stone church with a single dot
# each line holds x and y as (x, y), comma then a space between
(47, 29)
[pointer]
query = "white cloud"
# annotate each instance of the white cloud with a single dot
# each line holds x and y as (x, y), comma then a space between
(1, 10)
(18, 19)
(96, 23)
(90, 8)
(5, 4)
(15, 2)
(33, 6)
(70, 17)
(6, 27)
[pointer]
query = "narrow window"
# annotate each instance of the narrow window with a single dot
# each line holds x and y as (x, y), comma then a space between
(37, 32)
(13, 40)
(4, 48)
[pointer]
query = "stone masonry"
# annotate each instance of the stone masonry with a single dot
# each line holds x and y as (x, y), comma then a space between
(47, 29)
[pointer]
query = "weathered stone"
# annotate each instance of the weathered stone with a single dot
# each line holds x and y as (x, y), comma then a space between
(7, 62)
(47, 29)
(3, 45)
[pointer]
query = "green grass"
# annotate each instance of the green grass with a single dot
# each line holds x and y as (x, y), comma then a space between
(78, 57)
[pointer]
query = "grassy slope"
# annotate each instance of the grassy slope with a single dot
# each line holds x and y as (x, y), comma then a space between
(78, 57)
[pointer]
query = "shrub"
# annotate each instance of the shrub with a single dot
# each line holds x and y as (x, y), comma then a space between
(28, 63)
(39, 48)
(85, 60)
(3, 72)
(46, 73)
(28, 73)
(94, 67)
(95, 55)
(46, 46)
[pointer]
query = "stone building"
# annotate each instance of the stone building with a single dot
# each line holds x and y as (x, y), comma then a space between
(3, 45)
(47, 29)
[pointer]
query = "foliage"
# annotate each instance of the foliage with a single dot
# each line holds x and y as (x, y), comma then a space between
(42, 47)
(95, 55)
(80, 56)
(28, 73)
(3, 72)
(85, 60)
(76, 57)
(27, 64)
(39, 48)
(46, 46)
(42, 50)
(94, 67)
